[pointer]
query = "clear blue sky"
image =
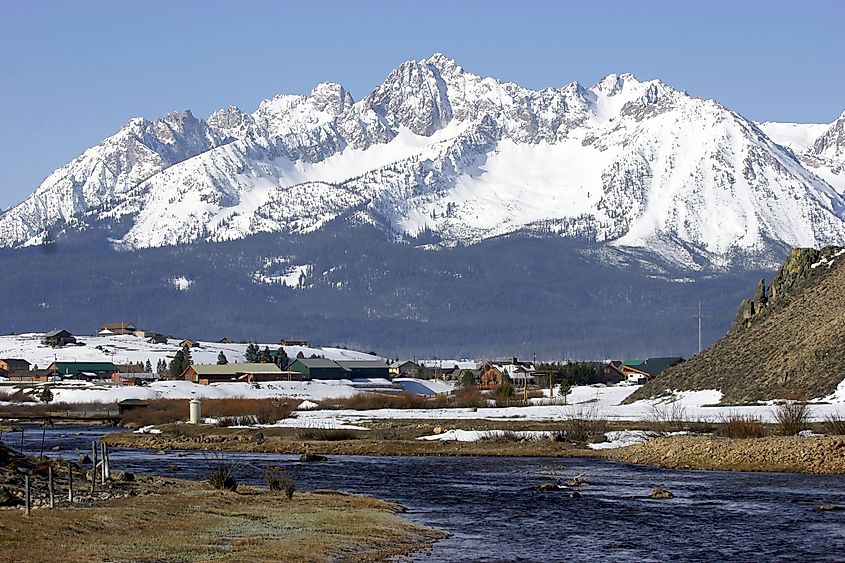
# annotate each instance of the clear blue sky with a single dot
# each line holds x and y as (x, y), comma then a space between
(75, 72)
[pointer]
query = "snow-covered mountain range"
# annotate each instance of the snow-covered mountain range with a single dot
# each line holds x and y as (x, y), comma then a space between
(436, 148)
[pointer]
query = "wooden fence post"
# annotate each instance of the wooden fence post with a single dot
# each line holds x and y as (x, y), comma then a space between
(69, 483)
(50, 486)
(28, 499)
(107, 456)
(104, 463)
(94, 466)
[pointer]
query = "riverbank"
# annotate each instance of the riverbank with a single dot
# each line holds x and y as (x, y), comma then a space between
(793, 454)
(697, 449)
(176, 520)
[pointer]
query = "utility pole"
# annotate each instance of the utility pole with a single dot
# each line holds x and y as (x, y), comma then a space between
(699, 316)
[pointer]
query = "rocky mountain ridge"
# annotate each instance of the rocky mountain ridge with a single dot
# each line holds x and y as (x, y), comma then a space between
(436, 149)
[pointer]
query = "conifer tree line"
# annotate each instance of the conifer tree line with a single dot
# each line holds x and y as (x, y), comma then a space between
(575, 373)
(255, 355)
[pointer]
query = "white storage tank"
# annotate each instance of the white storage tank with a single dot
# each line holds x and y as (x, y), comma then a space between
(195, 411)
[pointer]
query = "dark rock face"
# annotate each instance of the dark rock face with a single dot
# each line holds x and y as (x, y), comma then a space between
(801, 264)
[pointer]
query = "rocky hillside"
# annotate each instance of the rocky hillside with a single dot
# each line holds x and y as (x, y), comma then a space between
(788, 341)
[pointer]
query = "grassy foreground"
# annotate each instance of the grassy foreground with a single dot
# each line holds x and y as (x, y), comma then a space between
(174, 520)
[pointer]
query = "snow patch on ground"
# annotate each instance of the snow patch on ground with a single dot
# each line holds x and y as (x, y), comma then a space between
(476, 435)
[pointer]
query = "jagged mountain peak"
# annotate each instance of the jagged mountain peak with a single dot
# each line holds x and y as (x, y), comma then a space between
(437, 148)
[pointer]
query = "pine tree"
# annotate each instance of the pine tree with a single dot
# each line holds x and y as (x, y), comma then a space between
(46, 395)
(148, 367)
(252, 352)
(282, 358)
(187, 360)
(264, 356)
(221, 359)
(175, 370)
(564, 389)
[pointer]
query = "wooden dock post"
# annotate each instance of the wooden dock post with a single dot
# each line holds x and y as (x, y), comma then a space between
(69, 483)
(27, 494)
(50, 486)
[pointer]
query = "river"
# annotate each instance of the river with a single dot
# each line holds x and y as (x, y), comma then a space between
(494, 512)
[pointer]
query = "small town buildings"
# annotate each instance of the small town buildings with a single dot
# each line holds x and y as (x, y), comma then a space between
(9, 365)
(318, 368)
(634, 370)
(209, 373)
(403, 368)
(294, 342)
(321, 368)
(84, 370)
(225, 340)
(113, 329)
(31, 376)
(188, 344)
(56, 338)
(157, 338)
(221, 373)
(134, 377)
(364, 369)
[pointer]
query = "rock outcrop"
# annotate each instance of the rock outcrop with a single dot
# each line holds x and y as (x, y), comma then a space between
(786, 343)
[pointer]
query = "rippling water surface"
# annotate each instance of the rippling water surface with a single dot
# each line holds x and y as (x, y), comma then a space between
(494, 512)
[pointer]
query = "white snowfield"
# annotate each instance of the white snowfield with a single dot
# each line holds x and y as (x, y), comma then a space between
(126, 349)
(596, 402)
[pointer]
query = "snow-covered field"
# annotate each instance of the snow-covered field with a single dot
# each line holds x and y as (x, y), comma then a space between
(598, 402)
(126, 349)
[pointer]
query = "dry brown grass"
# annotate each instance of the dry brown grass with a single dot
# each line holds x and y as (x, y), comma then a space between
(834, 424)
(740, 426)
(580, 425)
(464, 397)
(241, 411)
(791, 417)
(188, 521)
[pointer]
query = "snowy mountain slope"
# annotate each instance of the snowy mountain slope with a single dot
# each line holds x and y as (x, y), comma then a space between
(796, 136)
(106, 172)
(826, 156)
(821, 147)
(436, 148)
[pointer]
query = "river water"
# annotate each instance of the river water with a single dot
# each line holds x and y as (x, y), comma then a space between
(494, 512)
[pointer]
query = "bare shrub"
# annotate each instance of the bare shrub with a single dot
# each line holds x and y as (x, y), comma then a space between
(385, 434)
(324, 434)
(834, 424)
(668, 417)
(505, 436)
(734, 425)
(579, 425)
(466, 397)
(791, 417)
(222, 473)
(278, 480)
(369, 401)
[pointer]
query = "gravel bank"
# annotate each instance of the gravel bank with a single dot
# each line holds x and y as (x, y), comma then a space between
(815, 454)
